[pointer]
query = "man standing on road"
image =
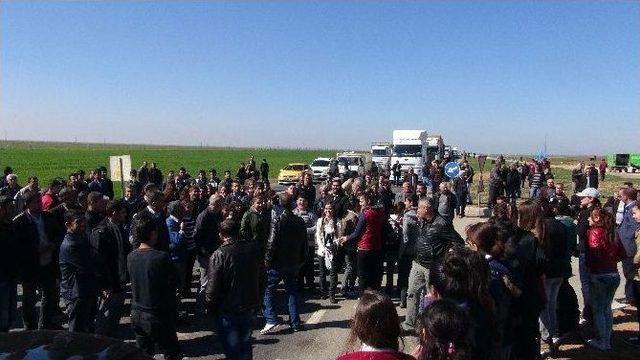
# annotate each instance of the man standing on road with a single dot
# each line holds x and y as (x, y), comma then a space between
(77, 269)
(37, 239)
(627, 230)
(110, 248)
(396, 169)
(264, 171)
(155, 209)
(232, 291)
(603, 168)
(445, 202)
(285, 254)
(592, 176)
(153, 287)
(206, 236)
(310, 219)
(434, 237)
(496, 183)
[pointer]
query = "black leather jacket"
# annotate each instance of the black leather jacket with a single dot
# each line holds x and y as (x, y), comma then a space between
(433, 239)
(233, 278)
(287, 244)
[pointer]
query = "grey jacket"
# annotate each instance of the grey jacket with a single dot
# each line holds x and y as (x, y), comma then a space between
(627, 230)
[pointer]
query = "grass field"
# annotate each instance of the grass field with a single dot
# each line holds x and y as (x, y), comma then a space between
(51, 160)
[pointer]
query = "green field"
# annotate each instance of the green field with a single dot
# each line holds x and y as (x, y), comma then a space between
(51, 160)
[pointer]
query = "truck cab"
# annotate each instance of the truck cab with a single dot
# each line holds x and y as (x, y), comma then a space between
(352, 162)
(410, 150)
(381, 155)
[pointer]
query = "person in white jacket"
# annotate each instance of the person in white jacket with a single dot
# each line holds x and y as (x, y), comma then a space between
(328, 231)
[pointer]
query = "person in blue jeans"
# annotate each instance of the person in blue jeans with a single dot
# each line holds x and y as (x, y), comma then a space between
(603, 254)
(284, 256)
(232, 293)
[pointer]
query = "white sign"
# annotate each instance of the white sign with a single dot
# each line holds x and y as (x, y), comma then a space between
(120, 167)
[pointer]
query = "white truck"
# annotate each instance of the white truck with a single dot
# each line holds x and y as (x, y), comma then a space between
(410, 150)
(353, 162)
(435, 148)
(381, 155)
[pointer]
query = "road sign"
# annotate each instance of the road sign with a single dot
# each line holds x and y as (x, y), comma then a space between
(452, 170)
(120, 167)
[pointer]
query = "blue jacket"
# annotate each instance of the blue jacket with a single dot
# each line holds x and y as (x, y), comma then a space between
(627, 230)
(77, 268)
(177, 243)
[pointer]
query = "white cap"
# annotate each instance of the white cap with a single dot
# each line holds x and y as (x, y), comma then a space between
(589, 192)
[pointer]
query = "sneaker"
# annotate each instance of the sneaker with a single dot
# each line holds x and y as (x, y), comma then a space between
(268, 328)
(332, 299)
(297, 327)
(632, 340)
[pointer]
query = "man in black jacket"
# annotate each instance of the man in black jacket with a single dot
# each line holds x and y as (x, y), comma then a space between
(284, 257)
(264, 171)
(155, 210)
(445, 202)
(155, 175)
(110, 248)
(38, 241)
(207, 238)
(338, 199)
(232, 291)
(96, 203)
(434, 237)
(8, 264)
(107, 184)
(78, 284)
(153, 289)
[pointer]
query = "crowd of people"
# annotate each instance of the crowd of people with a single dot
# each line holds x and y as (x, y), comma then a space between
(498, 292)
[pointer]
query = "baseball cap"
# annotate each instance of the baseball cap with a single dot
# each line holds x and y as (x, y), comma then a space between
(589, 192)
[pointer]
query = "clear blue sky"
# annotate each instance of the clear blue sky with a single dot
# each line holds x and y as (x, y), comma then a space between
(490, 76)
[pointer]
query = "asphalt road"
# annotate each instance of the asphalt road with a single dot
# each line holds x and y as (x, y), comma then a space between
(327, 325)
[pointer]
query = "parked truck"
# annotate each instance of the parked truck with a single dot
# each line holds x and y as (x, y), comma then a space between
(410, 150)
(623, 162)
(353, 162)
(435, 148)
(381, 155)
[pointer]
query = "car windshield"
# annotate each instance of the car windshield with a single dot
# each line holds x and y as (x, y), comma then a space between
(379, 152)
(407, 150)
(294, 167)
(320, 163)
(348, 160)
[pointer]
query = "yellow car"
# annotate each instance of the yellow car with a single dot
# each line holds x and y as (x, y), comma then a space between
(292, 173)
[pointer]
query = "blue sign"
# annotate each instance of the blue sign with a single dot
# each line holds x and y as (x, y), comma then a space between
(452, 170)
